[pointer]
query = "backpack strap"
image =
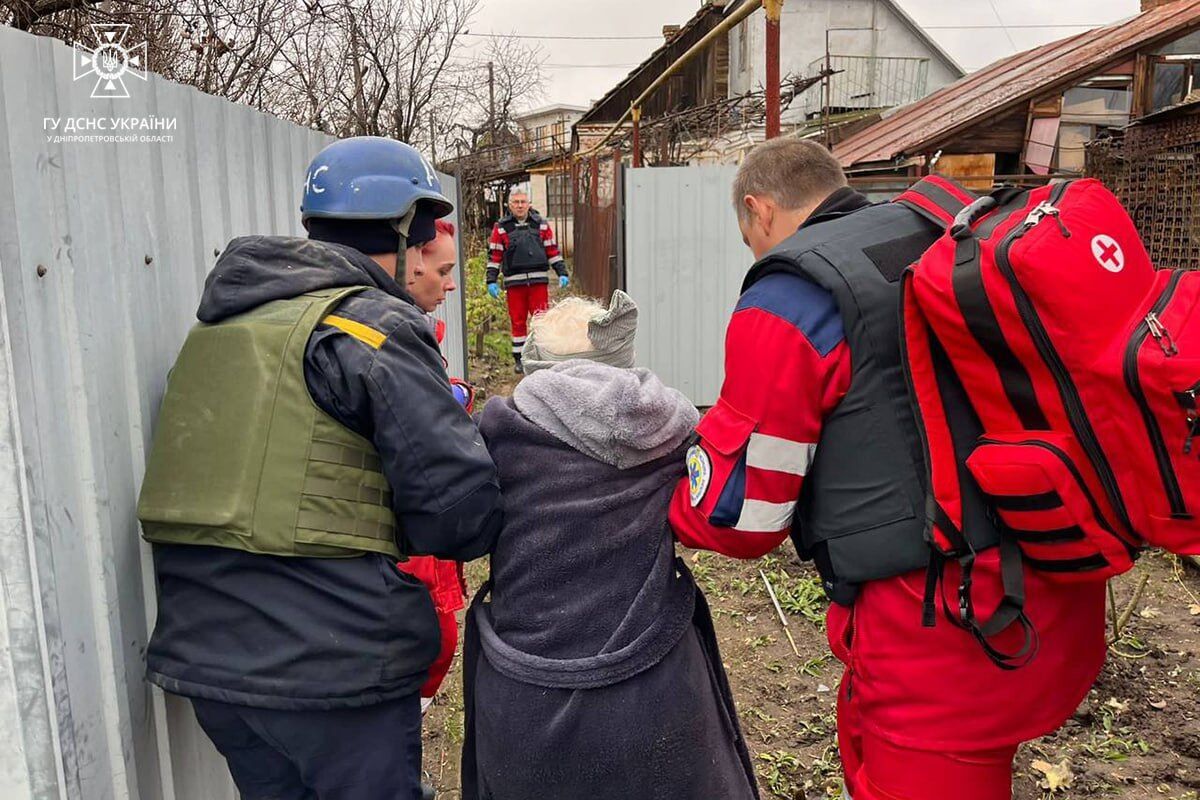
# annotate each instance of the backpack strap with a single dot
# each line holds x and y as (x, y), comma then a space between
(1010, 611)
(924, 360)
(944, 514)
(937, 199)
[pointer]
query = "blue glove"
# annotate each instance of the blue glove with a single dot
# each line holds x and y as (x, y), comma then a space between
(563, 281)
(463, 393)
(494, 290)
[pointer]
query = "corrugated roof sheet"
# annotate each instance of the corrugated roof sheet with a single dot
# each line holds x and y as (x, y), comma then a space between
(1012, 81)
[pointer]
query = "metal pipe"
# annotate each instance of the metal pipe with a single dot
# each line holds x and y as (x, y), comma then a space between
(722, 27)
(774, 14)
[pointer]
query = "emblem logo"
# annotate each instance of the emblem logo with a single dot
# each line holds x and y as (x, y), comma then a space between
(110, 61)
(1108, 253)
(699, 467)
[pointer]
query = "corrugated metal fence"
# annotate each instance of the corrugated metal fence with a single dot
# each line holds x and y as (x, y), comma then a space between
(684, 265)
(103, 251)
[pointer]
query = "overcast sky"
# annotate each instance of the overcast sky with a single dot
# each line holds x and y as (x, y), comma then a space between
(571, 74)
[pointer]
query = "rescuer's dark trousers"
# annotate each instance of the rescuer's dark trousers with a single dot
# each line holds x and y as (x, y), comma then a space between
(368, 753)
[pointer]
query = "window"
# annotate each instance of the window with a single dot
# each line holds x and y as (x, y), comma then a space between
(1181, 47)
(1103, 102)
(1175, 72)
(560, 201)
(1072, 138)
(1171, 84)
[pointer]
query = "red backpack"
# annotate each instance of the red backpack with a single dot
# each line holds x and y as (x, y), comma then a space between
(1082, 364)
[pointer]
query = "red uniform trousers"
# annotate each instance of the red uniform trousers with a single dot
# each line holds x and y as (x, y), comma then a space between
(924, 715)
(523, 303)
(447, 588)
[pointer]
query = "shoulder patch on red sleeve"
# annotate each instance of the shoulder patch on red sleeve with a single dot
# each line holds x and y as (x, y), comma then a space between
(699, 467)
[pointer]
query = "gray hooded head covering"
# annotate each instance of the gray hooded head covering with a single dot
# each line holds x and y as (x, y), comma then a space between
(611, 336)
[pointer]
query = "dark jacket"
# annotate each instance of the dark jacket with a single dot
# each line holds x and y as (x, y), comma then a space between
(295, 633)
(593, 673)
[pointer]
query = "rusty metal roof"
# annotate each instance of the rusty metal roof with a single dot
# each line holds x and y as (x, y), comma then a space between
(701, 22)
(923, 125)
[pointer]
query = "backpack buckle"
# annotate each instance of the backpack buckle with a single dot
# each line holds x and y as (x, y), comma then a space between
(966, 610)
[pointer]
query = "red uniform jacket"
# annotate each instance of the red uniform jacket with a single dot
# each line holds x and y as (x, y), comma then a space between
(786, 367)
(498, 244)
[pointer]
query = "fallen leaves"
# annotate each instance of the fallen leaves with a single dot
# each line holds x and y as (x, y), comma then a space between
(1120, 706)
(1056, 776)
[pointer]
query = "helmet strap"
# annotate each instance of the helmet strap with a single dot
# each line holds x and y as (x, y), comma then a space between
(402, 226)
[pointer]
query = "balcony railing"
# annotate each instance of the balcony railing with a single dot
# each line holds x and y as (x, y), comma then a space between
(865, 82)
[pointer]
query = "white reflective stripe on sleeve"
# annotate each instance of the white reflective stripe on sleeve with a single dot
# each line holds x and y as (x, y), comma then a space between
(779, 455)
(759, 516)
(495, 246)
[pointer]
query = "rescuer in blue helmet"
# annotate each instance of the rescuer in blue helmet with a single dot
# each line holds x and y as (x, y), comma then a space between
(309, 440)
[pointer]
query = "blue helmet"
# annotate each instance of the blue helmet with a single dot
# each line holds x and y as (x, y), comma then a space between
(370, 177)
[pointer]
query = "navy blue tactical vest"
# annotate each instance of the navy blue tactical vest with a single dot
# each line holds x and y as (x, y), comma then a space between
(863, 511)
(525, 251)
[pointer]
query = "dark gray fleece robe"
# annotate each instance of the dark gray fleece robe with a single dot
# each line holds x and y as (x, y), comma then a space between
(593, 671)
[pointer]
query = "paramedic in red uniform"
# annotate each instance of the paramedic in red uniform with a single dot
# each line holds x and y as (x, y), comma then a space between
(812, 437)
(523, 249)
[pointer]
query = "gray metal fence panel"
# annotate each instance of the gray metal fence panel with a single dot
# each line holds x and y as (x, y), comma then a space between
(103, 251)
(684, 264)
(453, 311)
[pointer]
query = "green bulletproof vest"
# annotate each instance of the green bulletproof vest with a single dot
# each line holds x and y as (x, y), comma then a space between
(242, 456)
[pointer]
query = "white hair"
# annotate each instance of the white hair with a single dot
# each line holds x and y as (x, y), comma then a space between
(563, 329)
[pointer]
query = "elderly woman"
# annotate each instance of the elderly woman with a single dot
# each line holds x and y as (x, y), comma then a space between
(593, 672)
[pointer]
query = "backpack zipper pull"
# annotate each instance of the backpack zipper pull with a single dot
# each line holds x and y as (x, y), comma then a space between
(1044, 210)
(1161, 335)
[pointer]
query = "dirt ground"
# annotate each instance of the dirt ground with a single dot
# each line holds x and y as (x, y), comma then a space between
(1137, 735)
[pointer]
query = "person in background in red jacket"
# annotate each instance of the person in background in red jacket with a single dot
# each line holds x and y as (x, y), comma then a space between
(429, 283)
(523, 249)
(923, 714)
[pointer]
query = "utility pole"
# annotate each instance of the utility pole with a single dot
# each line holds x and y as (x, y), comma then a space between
(774, 9)
(432, 138)
(492, 102)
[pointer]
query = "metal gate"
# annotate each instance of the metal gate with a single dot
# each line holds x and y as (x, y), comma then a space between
(599, 258)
